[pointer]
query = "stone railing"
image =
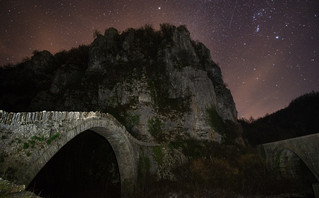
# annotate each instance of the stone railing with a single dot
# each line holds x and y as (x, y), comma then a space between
(10, 120)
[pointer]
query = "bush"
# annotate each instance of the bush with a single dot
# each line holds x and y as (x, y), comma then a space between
(155, 127)
(167, 30)
(76, 56)
(25, 145)
(96, 34)
(231, 168)
(130, 120)
(122, 114)
(158, 154)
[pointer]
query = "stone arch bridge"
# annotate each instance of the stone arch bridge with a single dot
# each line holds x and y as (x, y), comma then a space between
(285, 156)
(19, 130)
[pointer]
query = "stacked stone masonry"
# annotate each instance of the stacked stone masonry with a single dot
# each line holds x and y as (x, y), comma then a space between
(27, 162)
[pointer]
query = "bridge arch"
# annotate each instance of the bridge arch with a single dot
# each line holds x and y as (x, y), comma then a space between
(289, 162)
(305, 148)
(112, 131)
(286, 158)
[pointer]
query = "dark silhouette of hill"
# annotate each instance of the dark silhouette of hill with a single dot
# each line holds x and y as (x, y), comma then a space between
(298, 119)
(20, 83)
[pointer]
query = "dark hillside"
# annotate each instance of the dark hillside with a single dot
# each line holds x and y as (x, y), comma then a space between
(298, 119)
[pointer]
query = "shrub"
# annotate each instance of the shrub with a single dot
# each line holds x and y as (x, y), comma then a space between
(183, 28)
(10, 173)
(231, 168)
(96, 33)
(155, 127)
(122, 114)
(130, 120)
(76, 56)
(167, 30)
(35, 139)
(25, 145)
(158, 154)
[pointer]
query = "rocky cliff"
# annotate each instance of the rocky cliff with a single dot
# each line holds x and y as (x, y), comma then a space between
(159, 84)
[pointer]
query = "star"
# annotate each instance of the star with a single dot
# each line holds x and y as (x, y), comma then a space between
(271, 37)
(257, 29)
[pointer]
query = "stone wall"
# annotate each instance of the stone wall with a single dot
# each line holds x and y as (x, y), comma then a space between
(30, 139)
(282, 155)
(16, 121)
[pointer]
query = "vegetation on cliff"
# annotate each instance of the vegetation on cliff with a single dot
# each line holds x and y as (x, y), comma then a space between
(137, 75)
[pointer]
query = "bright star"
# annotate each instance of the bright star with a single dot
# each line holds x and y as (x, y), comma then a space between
(257, 29)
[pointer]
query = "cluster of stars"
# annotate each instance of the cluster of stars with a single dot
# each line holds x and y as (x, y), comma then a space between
(267, 50)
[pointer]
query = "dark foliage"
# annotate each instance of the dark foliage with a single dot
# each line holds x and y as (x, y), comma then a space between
(21, 83)
(298, 119)
(215, 121)
(77, 56)
(219, 170)
(167, 31)
(18, 86)
(144, 55)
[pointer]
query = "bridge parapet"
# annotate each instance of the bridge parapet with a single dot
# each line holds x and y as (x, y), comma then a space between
(14, 121)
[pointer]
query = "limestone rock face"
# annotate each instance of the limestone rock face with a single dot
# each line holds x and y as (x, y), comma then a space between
(159, 84)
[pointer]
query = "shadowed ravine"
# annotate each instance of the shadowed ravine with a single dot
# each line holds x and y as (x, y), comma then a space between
(84, 167)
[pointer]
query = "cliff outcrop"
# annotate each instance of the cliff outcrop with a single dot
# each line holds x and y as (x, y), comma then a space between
(159, 84)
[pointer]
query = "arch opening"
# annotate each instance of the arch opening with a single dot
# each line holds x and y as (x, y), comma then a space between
(293, 167)
(84, 167)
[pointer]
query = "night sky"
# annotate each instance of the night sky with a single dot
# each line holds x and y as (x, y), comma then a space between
(267, 49)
